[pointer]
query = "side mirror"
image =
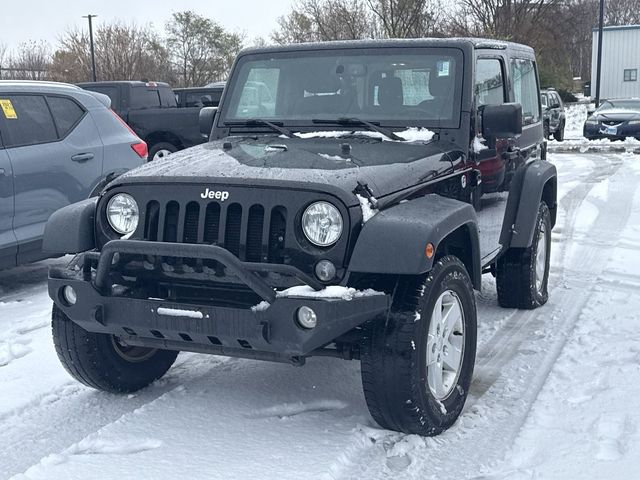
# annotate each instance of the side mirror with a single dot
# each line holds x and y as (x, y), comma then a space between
(207, 115)
(501, 121)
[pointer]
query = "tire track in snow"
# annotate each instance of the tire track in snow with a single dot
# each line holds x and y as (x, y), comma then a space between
(52, 423)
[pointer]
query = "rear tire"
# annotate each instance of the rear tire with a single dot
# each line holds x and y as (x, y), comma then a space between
(408, 357)
(559, 133)
(160, 151)
(99, 361)
(523, 273)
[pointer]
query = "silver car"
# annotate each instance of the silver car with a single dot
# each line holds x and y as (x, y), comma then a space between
(58, 144)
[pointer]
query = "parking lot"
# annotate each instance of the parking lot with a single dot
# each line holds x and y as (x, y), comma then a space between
(544, 379)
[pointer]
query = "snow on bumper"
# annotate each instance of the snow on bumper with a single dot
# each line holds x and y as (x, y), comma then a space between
(268, 333)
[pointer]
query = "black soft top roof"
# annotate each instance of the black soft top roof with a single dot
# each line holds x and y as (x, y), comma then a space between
(475, 43)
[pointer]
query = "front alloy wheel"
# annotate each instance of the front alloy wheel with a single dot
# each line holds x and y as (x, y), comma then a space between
(445, 345)
(417, 360)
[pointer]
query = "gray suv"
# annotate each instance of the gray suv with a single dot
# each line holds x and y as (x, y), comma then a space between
(553, 116)
(58, 144)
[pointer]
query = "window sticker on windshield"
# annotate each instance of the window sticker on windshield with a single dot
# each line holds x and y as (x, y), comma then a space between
(7, 108)
(443, 68)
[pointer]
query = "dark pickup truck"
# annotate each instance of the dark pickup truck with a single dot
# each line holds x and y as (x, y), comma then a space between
(208, 96)
(150, 109)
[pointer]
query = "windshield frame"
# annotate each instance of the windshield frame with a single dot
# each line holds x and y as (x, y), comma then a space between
(307, 125)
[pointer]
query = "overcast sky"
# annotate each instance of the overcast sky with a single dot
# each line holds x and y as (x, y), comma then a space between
(22, 20)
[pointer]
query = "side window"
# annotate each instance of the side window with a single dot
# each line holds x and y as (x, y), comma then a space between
(525, 89)
(544, 97)
(142, 97)
(29, 121)
(111, 92)
(66, 114)
(489, 86)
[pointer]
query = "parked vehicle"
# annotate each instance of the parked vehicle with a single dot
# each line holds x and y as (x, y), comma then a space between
(553, 115)
(150, 109)
(58, 145)
(615, 119)
(340, 223)
(199, 96)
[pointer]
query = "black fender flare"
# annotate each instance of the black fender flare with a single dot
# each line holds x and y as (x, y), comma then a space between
(537, 181)
(72, 228)
(395, 239)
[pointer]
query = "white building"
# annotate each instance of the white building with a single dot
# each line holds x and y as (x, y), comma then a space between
(620, 75)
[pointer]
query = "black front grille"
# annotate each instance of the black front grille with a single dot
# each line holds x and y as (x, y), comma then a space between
(253, 233)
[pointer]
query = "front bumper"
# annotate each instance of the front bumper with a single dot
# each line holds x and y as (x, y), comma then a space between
(269, 333)
(622, 131)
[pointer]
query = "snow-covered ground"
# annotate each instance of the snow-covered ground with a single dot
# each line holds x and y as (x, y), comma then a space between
(555, 394)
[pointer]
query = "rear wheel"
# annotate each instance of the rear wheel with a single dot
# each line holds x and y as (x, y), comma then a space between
(559, 133)
(161, 150)
(102, 361)
(522, 274)
(417, 362)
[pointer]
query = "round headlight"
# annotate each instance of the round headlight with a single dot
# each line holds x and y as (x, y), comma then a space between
(123, 213)
(322, 224)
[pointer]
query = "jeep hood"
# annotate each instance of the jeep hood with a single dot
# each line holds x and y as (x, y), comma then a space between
(332, 165)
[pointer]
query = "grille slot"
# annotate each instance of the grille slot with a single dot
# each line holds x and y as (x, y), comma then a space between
(232, 229)
(191, 218)
(253, 233)
(171, 222)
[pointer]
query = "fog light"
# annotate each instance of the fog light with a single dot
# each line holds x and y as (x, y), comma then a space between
(69, 295)
(325, 270)
(307, 318)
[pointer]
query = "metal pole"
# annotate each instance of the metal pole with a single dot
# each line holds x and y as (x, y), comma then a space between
(599, 64)
(93, 55)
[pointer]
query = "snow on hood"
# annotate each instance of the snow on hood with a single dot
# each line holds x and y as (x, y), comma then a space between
(411, 134)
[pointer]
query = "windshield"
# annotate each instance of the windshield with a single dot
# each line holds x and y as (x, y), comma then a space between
(630, 104)
(396, 87)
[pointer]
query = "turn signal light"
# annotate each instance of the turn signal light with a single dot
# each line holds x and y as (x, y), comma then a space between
(429, 250)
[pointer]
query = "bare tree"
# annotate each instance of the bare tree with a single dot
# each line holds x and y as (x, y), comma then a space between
(31, 61)
(622, 12)
(323, 20)
(515, 20)
(123, 52)
(407, 18)
(201, 50)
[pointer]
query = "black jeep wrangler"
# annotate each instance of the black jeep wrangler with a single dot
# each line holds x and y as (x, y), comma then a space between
(349, 199)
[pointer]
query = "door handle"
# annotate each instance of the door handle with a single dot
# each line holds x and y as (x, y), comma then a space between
(82, 157)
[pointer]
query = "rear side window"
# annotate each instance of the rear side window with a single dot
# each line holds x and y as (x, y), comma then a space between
(31, 122)
(525, 89)
(111, 92)
(489, 86)
(144, 98)
(66, 114)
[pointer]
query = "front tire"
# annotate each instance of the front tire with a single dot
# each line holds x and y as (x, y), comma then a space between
(417, 362)
(523, 273)
(100, 361)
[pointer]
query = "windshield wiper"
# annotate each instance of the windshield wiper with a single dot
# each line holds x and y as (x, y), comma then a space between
(363, 123)
(259, 121)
